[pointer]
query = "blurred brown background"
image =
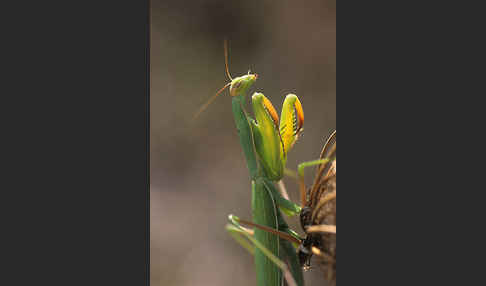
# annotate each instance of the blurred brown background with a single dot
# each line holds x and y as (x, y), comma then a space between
(197, 171)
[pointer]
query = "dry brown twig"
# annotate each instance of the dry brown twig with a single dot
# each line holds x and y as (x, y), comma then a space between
(322, 201)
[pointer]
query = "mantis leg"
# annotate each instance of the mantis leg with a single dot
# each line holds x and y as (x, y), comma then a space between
(300, 171)
(328, 154)
(289, 242)
(283, 232)
(238, 234)
(288, 207)
(289, 252)
(245, 237)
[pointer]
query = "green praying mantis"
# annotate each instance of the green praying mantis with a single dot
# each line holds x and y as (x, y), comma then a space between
(266, 141)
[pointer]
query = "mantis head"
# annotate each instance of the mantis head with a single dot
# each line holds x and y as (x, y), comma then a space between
(240, 85)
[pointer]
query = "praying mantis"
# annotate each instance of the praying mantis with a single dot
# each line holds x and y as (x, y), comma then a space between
(266, 141)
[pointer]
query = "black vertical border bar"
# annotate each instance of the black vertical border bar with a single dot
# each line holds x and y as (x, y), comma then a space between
(73, 191)
(409, 76)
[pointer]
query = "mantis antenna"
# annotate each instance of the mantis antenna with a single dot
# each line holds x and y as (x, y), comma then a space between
(223, 88)
(210, 100)
(226, 58)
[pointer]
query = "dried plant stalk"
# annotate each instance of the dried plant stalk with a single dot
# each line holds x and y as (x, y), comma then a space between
(322, 201)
